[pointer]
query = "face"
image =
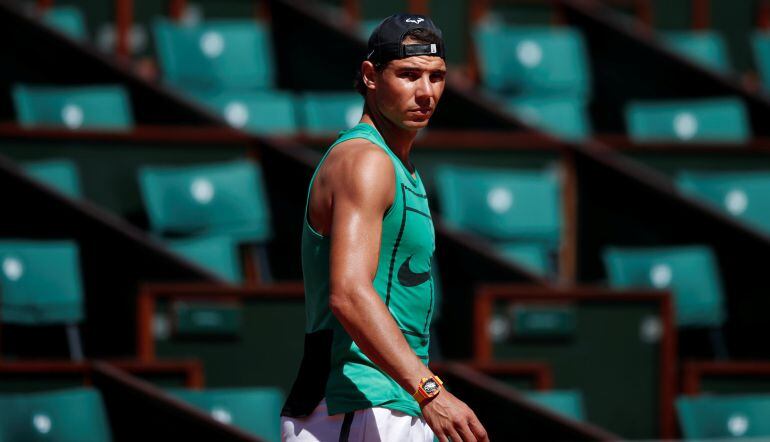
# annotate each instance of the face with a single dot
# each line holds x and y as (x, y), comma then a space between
(407, 91)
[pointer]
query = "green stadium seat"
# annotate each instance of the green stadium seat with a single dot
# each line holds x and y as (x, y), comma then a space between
(744, 195)
(56, 416)
(40, 285)
(216, 55)
(67, 19)
(367, 27)
(329, 113)
(703, 120)
(261, 112)
(725, 417)
(562, 117)
(209, 199)
(533, 256)
(255, 410)
(60, 174)
(691, 273)
(520, 210)
(760, 42)
(706, 48)
(568, 403)
(219, 254)
(104, 107)
(536, 61)
(40, 282)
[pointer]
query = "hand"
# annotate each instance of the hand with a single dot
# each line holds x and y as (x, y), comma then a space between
(450, 418)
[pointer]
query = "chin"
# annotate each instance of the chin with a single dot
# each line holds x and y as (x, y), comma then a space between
(415, 125)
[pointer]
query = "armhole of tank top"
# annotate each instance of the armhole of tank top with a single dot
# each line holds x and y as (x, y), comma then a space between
(315, 173)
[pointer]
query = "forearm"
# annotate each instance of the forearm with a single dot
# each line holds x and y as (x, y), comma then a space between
(369, 322)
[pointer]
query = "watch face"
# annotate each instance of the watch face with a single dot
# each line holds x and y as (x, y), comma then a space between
(430, 387)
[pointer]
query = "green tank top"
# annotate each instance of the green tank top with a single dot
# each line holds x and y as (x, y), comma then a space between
(403, 281)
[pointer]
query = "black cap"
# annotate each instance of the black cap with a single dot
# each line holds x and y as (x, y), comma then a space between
(385, 41)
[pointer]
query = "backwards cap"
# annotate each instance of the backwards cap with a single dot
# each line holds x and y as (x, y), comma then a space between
(385, 41)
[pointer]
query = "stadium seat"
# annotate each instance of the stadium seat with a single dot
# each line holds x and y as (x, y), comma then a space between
(57, 416)
(724, 417)
(706, 48)
(691, 273)
(367, 27)
(218, 254)
(329, 113)
(533, 256)
(564, 117)
(216, 55)
(222, 198)
(61, 174)
(703, 120)
(760, 43)
(105, 107)
(520, 210)
(567, 403)
(40, 284)
(255, 410)
(744, 195)
(533, 60)
(260, 112)
(200, 204)
(67, 19)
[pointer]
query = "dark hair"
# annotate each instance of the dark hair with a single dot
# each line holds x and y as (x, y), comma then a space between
(419, 35)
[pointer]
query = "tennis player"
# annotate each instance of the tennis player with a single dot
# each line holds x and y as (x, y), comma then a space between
(367, 246)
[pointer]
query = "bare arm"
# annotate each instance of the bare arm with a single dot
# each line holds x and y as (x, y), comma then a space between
(362, 191)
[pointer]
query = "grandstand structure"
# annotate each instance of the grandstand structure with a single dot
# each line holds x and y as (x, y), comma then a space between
(600, 189)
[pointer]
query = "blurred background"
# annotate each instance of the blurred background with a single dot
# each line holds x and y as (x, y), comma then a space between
(599, 173)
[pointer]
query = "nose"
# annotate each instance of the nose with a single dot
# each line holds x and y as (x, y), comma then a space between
(424, 91)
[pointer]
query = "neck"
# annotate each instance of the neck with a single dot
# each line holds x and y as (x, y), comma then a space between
(398, 140)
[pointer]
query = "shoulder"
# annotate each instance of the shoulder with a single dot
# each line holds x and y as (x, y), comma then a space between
(360, 168)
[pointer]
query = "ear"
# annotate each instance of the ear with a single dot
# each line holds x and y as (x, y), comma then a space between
(369, 75)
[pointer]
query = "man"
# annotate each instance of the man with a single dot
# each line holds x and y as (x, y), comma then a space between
(367, 245)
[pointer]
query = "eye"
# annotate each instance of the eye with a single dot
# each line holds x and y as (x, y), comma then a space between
(411, 75)
(437, 76)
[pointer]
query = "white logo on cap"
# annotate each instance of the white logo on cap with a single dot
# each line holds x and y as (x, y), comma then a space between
(415, 20)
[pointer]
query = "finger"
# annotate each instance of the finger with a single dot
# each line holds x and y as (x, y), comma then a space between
(465, 432)
(454, 435)
(478, 430)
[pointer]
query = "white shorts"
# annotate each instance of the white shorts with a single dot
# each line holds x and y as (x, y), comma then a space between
(372, 424)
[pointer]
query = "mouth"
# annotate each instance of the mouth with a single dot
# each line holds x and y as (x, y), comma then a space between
(424, 111)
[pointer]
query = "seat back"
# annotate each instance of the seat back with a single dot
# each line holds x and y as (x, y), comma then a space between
(564, 117)
(724, 417)
(40, 282)
(262, 112)
(221, 198)
(61, 174)
(691, 273)
(56, 416)
(706, 48)
(533, 60)
(329, 113)
(215, 55)
(760, 43)
(744, 195)
(219, 254)
(565, 402)
(104, 107)
(501, 204)
(703, 120)
(67, 19)
(255, 410)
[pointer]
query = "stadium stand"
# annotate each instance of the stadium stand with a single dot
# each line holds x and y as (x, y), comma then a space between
(614, 189)
(727, 416)
(67, 19)
(705, 47)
